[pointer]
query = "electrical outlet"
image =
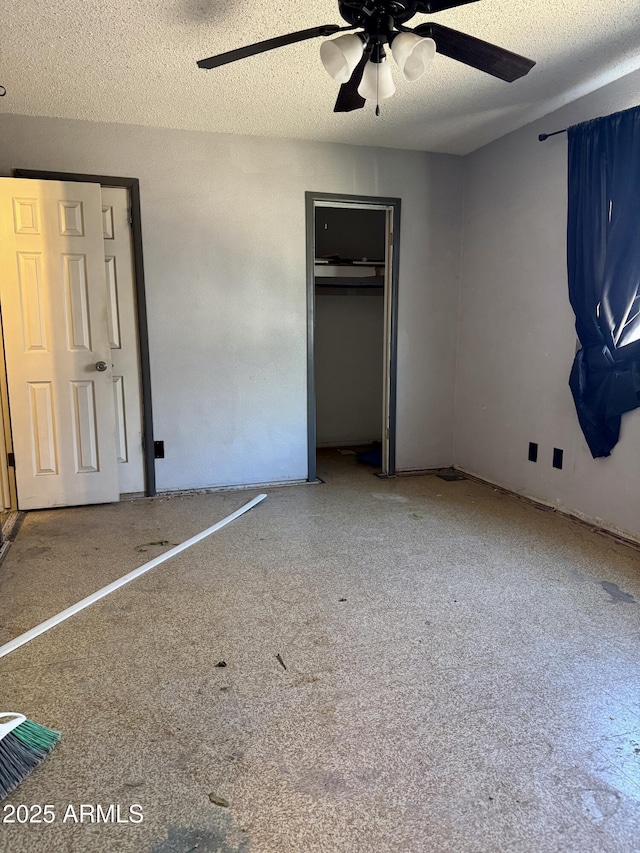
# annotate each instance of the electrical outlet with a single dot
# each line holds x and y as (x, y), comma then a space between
(158, 449)
(533, 451)
(557, 457)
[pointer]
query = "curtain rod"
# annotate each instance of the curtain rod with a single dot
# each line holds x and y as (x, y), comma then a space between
(543, 136)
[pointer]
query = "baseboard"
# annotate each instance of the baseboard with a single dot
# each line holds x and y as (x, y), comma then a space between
(596, 526)
(421, 472)
(10, 530)
(592, 524)
(11, 526)
(169, 493)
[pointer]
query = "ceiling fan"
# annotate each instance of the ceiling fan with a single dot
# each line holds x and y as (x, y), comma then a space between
(358, 60)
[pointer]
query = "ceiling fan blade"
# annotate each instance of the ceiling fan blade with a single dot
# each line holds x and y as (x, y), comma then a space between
(348, 98)
(476, 53)
(269, 44)
(428, 7)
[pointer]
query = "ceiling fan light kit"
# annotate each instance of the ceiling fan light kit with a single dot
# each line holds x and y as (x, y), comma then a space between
(413, 54)
(340, 56)
(358, 61)
(377, 81)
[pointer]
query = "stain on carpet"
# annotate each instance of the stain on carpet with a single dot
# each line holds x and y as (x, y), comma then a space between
(184, 839)
(617, 595)
(36, 551)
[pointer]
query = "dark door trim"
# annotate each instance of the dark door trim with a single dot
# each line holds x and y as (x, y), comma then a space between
(133, 185)
(395, 204)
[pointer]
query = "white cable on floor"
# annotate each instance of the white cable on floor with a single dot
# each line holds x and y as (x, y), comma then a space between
(12, 645)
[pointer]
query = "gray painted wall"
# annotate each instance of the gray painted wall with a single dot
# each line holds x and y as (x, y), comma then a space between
(516, 334)
(349, 341)
(224, 242)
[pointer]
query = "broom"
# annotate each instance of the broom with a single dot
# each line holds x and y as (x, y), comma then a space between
(24, 745)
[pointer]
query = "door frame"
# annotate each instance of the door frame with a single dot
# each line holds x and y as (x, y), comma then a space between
(133, 186)
(390, 332)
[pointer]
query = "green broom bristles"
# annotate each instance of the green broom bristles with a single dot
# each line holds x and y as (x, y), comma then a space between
(21, 751)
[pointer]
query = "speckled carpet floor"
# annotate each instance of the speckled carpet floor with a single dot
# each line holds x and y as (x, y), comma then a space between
(462, 674)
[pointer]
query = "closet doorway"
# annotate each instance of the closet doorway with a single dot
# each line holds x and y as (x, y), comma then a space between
(352, 296)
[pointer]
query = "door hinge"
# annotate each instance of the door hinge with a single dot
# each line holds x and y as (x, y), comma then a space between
(11, 460)
(130, 216)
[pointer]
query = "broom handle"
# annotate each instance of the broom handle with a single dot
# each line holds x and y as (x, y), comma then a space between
(12, 645)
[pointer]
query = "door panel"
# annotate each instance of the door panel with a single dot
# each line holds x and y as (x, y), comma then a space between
(54, 312)
(123, 338)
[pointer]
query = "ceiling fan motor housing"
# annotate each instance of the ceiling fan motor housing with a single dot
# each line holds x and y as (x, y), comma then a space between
(378, 18)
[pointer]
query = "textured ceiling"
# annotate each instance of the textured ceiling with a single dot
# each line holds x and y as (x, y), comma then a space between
(135, 62)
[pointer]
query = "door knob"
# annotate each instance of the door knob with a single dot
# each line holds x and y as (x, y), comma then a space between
(101, 366)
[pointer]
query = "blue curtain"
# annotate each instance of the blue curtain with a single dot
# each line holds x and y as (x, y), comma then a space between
(603, 264)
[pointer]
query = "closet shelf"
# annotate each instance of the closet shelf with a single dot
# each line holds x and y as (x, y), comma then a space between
(354, 275)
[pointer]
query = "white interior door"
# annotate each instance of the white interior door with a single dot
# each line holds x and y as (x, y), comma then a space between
(54, 313)
(123, 338)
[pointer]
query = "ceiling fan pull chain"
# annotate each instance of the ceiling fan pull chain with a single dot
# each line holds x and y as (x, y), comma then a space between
(377, 89)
